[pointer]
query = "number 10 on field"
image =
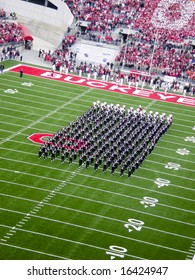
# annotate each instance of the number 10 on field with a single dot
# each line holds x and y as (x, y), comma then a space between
(116, 252)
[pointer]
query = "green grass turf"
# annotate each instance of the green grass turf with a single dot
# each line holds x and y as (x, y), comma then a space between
(54, 211)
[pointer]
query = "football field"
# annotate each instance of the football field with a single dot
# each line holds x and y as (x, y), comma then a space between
(55, 211)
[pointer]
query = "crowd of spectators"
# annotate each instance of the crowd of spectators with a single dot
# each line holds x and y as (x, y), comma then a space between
(161, 31)
(2, 13)
(10, 32)
(157, 47)
(167, 59)
(104, 15)
(10, 52)
(64, 61)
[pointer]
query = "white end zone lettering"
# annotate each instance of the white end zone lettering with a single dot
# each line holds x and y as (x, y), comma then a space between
(123, 90)
(51, 75)
(108, 86)
(143, 93)
(96, 84)
(74, 80)
(186, 101)
(165, 97)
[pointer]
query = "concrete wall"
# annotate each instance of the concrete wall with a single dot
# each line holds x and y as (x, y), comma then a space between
(43, 22)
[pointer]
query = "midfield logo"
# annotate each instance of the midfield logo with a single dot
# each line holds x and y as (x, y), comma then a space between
(39, 138)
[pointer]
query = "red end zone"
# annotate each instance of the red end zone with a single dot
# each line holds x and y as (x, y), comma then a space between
(97, 84)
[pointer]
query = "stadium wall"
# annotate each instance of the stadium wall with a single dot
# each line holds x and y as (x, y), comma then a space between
(43, 22)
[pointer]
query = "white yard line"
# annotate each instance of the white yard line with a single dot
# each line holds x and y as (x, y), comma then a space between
(104, 203)
(54, 168)
(33, 251)
(45, 116)
(101, 217)
(143, 168)
(105, 94)
(65, 240)
(100, 248)
(110, 100)
(66, 171)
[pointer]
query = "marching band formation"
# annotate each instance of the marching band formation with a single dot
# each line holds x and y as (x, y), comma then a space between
(108, 136)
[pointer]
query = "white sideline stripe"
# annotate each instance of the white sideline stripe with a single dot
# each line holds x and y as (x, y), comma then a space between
(103, 93)
(33, 251)
(101, 217)
(109, 100)
(79, 90)
(116, 206)
(45, 116)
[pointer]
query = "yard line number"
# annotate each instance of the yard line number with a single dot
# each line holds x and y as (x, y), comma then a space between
(116, 252)
(161, 182)
(149, 201)
(172, 165)
(134, 225)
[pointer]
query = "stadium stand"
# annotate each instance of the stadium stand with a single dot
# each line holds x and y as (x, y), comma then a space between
(10, 32)
(155, 46)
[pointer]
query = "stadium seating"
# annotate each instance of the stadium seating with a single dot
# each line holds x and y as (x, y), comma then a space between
(172, 56)
(10, 32)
